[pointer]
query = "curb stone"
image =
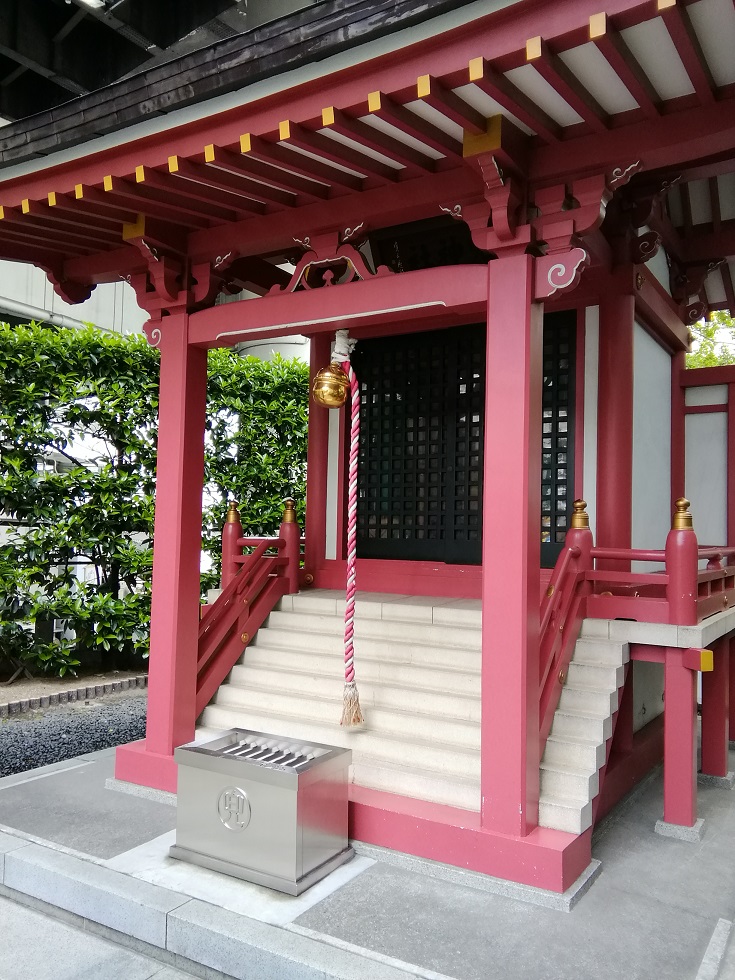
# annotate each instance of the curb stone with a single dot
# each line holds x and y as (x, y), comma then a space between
(12, 708)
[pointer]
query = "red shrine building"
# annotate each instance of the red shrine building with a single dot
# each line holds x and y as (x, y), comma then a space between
(517, 210)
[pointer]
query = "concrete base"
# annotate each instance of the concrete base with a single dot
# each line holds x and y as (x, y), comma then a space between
(145, 792)
(679, 832)
(563, 902)
(724, 782)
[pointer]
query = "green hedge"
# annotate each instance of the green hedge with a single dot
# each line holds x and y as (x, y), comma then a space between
(78, 416)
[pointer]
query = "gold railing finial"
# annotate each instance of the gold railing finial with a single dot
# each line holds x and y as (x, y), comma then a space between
(289, 514)
(580, 517)
(233, 514)
(682, 518)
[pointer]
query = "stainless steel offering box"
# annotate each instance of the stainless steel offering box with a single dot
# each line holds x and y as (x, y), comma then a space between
(267, 809)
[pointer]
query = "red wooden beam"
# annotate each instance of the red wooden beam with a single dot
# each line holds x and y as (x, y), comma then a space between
(25, 248)
(673, 140)
(27, 230)
(714, 201)
(497, 87)
(123, 194)
(106, 266)
(688, 48)
(41, 214)
(82, 214)
(729, 290)
(565, 83)
(413, 161)
(192, 191)
(152, 197)
(703, 245)
(255, 148)
(432, 92)
(250, 192)
(294, 136)
(382, 107)
(621, 59)
(251, 165)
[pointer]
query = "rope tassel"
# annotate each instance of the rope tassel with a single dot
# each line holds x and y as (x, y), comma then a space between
(351, 713)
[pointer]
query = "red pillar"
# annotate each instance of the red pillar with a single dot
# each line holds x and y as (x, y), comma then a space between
(680, 741)
(511, 550)
(615, 414)
(316, 464)
(177, 541)
(715, 712)
(731, 683)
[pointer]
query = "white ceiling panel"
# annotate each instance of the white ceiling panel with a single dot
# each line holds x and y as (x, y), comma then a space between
(355, 145)
(436, 118)
(714, 24)
(726, 186)
(651, 44)
(528, 80)
(599, 78)
(474, 96)
(385, 127)
(714, 287)
(700, 201)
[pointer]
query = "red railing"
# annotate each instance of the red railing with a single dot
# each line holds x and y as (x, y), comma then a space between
(584, 584)
(252, 584)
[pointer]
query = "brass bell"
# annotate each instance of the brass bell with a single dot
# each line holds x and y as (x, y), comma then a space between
(330, 386)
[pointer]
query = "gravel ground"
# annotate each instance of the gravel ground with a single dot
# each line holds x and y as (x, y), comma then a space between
(42, 737)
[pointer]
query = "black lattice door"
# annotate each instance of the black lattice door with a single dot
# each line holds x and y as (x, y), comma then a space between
(421, 437)
(557, 439)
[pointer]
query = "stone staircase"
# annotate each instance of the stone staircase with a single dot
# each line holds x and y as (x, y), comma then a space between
(418, 674)
(576, 747)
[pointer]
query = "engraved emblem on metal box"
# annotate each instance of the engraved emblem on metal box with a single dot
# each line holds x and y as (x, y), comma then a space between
(233, 808)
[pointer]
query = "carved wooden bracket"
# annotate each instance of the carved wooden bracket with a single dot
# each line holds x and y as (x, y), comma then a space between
(67, 289)
(559, 272)
(644, 247)
(329, 260)
(688, 280)
(694, 312)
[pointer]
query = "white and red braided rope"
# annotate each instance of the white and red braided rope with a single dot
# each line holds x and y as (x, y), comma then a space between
(351, 713)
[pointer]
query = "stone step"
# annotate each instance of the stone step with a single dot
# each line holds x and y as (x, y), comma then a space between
(558, 813)
(436, 634)
(406, 722)
(593, 676)
(441, 704)
(367, 747)
(578, 724)
(600, 651)
(420, 784)
(573, 752)
(442, 611)
(599, 703)
(557, 780)
(434, 678)
(407, 651)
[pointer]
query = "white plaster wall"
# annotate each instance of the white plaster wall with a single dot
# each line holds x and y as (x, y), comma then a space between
(658, 266)
(705, 475)
(112, 306)
(591, 371)
(651, 443)
(648, 693)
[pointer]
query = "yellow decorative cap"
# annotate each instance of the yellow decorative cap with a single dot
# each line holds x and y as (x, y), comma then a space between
(580, 517)
(682, 518)
(233, 514)
(289, 514)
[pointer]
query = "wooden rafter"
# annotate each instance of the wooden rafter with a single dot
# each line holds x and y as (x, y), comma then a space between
(256, 149)
(191, 191)
(408, 123)
(729, 288)
(298, 137)
(565, 83)
(687, 45)
(413, 161)
(244, 188)
(31, 227)
(125, 194)
(621, 59)
(431, 91)
(497, 87)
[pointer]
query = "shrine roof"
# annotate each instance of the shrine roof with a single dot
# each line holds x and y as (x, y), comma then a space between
(348, 104)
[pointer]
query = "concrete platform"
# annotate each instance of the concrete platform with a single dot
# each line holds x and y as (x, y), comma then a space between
(96, 860)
